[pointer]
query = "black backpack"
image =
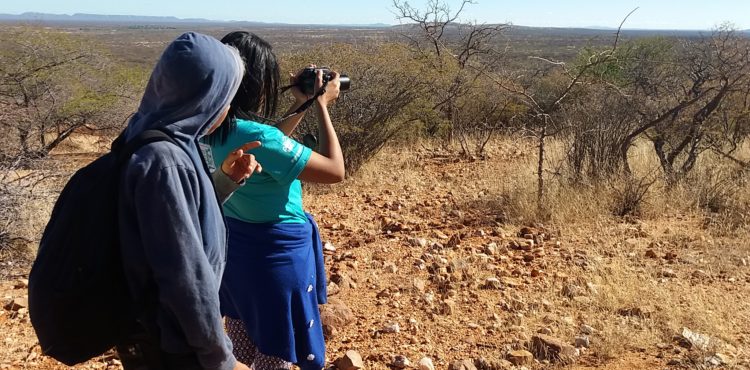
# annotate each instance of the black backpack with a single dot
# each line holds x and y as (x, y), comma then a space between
(79, 303)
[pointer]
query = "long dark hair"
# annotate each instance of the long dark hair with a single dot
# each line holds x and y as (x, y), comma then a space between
(257, 97)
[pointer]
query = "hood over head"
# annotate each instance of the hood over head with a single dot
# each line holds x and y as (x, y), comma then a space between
(193, 81)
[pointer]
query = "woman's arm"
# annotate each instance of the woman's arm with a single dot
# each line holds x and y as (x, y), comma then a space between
(288, 125)
(327, 166)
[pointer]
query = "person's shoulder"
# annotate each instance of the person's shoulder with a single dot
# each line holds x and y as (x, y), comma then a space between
(160, 155)
(247, 127)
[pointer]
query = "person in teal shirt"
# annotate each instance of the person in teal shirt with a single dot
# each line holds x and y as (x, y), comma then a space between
(275, 194)
(274, 277)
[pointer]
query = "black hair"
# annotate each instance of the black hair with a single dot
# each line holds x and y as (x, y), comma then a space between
(258, 93)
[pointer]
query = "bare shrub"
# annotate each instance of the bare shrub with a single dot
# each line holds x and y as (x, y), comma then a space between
(630, 195)
(602, 121)
(53, 85)
(484, 112)
(26, 195)
(721, 194)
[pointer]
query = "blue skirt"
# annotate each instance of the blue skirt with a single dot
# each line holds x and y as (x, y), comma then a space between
(273, 281)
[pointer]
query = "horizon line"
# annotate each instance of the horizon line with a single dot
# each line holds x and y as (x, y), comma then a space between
(205, 20)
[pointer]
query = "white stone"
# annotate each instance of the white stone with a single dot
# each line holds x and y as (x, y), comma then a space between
(392, 328)
(583, 342)
(329, 247)
(426, 364)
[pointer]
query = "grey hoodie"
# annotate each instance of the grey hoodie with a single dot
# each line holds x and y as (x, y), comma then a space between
(172, 229)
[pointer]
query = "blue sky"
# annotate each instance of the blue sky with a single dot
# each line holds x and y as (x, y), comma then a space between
(656, 14)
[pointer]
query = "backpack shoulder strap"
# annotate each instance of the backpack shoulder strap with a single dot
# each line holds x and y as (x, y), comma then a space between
(124, 150)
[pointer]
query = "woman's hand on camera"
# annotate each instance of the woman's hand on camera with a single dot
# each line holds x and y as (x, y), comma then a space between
(239, 165)
(333, 88)
(297, 92)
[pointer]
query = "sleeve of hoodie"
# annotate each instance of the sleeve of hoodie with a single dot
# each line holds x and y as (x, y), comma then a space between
(167, 203)
(224, 185)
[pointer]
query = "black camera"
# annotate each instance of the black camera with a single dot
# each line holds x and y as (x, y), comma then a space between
(306, 79)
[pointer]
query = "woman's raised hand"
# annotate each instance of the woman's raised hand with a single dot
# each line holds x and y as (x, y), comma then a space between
(333, 88)
(297, 92)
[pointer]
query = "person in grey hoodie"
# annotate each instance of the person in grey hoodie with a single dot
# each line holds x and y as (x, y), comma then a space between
(172, 229)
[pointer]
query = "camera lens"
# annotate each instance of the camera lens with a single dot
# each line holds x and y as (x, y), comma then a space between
(346, 82)
(307, 79)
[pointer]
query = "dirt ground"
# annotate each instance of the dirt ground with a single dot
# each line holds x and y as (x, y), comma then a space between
(424, 255)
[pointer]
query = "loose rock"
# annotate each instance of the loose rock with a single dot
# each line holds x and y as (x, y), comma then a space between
(583, 342)
(400, 362)
(329, 332)
(392, 328)
(454, 242)
(440, 235)
(350, 361)
(690, 339)
(328, 247)
(570, 291)
(545, 347)
(17, 304)
(390, 267)
(343, 281)
(419, 284)
(336, 313)
(717, 360)
(585, 329)
(634, 312)
(520, 357)
(700, 274)
(545, 331)
(462, 365)
(668, 273)
(426, 364)
(493, 283)
(419, 242)
(21, 284)
(491, 249)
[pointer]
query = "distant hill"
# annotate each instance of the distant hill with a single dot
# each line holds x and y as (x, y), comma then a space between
(82, 17)
(131, 19)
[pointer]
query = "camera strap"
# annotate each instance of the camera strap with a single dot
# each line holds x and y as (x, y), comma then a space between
(306, 105)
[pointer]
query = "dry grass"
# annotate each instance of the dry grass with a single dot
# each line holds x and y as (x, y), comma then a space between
(596, 270)
(701, 221)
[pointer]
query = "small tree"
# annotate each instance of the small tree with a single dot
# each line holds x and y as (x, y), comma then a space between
(53, 84)
(678, 92)
(458, 55)
(545, 89)
(714, 69)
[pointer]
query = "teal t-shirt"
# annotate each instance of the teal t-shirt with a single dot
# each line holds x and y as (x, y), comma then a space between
(274, 195)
